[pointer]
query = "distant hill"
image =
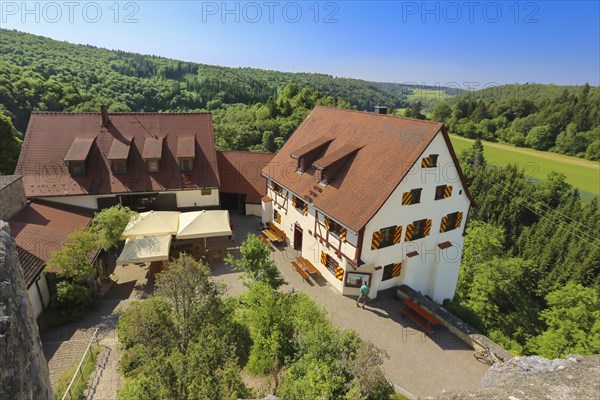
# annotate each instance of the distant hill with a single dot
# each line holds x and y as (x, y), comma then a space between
(535, 92)
(39, 73)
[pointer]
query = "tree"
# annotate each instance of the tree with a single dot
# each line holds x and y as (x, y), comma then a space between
(186, 285)
(540, 137)
(482, 244)
(414, 111)
(73, 259)
(573, 321)
(10, 145)
(182, 343)
(256, 263)
(110, 223)
(441, 111)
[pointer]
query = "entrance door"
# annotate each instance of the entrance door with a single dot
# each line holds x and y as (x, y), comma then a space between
(297, 237)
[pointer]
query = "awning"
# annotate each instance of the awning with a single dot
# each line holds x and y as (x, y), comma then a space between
(145, 249)
(152, 223)
(203, 224)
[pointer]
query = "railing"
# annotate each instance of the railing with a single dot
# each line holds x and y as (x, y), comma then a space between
(87, 357)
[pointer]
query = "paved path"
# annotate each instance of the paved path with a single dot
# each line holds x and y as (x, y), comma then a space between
(419, 364)
(65, 345)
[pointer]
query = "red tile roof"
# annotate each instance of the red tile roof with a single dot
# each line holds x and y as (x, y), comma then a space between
(40, 229)
(389, 146)
(240, 172)
(50, 135)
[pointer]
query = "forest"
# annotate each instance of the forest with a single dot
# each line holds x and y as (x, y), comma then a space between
(562, 119)
(530, 271)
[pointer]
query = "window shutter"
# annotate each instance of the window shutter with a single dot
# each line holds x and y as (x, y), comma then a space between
(343, 234)
(396, 270)
(305, 209)
(375, 241)
(443, 224)
(427, 228)
(425, 162)
(272, 185)
(280, 190)
(397, 234)
(278, 218)
(293, 201)
(327, 223)
(406, 197)
(409, 231)
(458, 220)
(323, 258)
(447, 191)
(339, 273)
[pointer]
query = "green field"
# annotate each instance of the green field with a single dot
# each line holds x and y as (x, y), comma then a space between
(582, 174)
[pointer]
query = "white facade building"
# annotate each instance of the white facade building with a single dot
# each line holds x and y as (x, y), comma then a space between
(414, 237)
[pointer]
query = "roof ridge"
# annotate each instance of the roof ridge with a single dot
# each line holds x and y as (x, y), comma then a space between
(384, 115)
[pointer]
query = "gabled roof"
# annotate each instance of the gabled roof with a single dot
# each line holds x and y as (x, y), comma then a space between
(240, 172)
(119, 149)
(50, 136)
(384, 148)
(40, 229)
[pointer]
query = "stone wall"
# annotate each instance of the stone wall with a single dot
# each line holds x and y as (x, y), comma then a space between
(12, 196)
(24, 373)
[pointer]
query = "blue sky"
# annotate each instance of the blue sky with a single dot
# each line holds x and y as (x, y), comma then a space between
(464, 43)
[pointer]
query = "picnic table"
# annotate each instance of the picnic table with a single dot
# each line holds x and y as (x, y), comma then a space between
(311, 269)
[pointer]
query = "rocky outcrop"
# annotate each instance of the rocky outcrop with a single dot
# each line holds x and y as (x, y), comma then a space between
(532, 378)
(24, 372)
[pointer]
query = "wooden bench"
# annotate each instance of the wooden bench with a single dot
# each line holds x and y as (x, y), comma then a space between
(274, 233)
(308, 266)
(301, 271)
(421, 317)
(264, 239)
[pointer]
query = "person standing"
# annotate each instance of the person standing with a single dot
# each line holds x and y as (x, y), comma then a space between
(364, 292)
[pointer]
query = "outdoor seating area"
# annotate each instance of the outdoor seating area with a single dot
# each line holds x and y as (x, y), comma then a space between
(157, 236)
(305, 268)
(274, 234)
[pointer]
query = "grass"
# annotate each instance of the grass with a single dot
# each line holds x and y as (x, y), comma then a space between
(78, 388)
(581, 174)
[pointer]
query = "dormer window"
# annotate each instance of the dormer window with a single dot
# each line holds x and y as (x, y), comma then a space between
(186, 164)
(152, 154)
(119, 167)
(186, 152)
(153, 166)
(77, 155)
(333, 161)
(77, 168)
(323, 177)
(118, 155)
(310, 152)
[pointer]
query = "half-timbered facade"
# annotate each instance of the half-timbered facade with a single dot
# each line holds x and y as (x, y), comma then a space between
(372, 197)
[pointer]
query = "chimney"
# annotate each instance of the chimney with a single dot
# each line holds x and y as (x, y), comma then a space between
(104, 114)
(380, 110)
